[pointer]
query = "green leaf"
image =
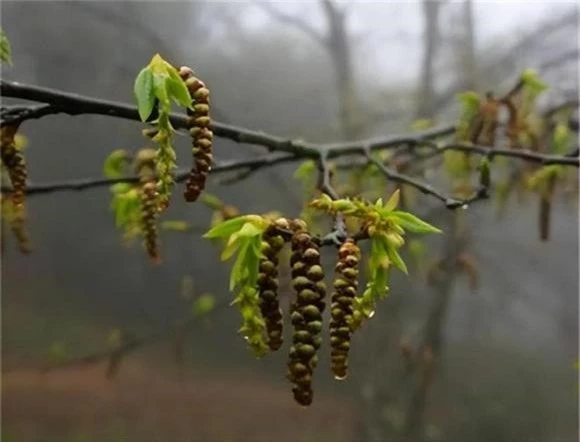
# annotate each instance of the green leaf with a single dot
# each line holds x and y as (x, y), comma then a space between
(178, 91)
(393, 201)
(144, 93)
(249, 230)
(226, 228)
(412, 223)
(305, 171)
(161, 91)
(203, 305)
(120, 188)
(396, 258)
(562, 138)
(115, 163)
(5, 49)
(237, 274)
(532, 82)
(469, 102)
(231, 247)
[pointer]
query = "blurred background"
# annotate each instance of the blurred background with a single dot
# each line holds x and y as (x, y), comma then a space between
(322, 71)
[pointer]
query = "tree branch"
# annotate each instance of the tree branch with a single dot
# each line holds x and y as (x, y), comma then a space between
(181, 175)
(450, 202)
(56, 102)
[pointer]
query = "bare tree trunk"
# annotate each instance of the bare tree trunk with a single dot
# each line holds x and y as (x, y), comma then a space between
(430, 349)
(339, 50)
(425, 107)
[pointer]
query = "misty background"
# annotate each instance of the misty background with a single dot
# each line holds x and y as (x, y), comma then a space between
(322, 71)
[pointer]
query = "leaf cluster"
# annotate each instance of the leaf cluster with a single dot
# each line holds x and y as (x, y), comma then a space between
(158, 85)
(385, 227)
(243, 236)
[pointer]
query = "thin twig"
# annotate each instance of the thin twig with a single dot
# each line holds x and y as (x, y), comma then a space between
(339, 233)
(449, 201)
(180, 175)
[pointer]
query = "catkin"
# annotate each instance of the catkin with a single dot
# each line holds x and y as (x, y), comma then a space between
(306, 312)
(15, 164)
(268, 283)
(149, 214)
(199, 124)
(341, 309)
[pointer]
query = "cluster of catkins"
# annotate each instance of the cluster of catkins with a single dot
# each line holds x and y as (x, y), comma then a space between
(307, 307)
(199, 124)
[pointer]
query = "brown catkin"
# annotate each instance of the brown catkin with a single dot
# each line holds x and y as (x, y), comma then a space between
(199, 124)
(342, 305)
(268, 283)
(306, 311)
(15, 164)
(149, 214)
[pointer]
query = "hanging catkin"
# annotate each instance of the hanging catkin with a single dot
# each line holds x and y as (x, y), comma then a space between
(341, 309)
(14, 163)
(306, 312)
(268, 283)
(199, 124)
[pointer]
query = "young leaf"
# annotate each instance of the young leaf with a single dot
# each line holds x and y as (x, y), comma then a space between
(226, 228)
(393, 201)
(232, 246)
(238, 270)
(470, 102)
(5, 50)
(144, 93)
(305, 170)
(161, 91)
(203, 305)
(532, 81)
(115, 163)
(411, 223)
(179, 92)
(562, 139)
(396, 258)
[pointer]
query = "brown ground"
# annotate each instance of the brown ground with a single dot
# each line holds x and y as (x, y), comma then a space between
(144, 405)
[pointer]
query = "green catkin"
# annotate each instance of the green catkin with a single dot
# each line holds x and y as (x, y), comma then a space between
(199, 124)
(306, 312)
(16, 220)
(149, 214)
(342, 306)
(15, 164)
(268, 283)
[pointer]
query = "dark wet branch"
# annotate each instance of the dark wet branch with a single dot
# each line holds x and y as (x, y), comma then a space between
(181, 175)
(449, 201)
(56, 102)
